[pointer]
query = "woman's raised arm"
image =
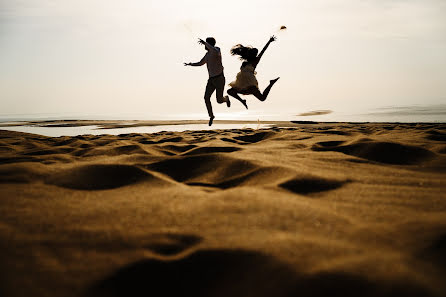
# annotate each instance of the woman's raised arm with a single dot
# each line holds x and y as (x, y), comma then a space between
(272, 38)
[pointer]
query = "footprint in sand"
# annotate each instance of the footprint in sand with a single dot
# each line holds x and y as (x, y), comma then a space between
(256, 137)
(115, 151)
(41, 152)
(334, 132)
(212, 149)
(210, 167)
(311, 184)
(101, 177)
(219, 171)
(436, 135)
(178, 149)
(383, 152)
(172, 244)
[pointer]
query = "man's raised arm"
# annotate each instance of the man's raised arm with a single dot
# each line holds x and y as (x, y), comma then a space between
(208, 45)
(202, 62)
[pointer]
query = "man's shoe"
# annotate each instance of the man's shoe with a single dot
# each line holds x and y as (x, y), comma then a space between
(228, 102)
(211, 119)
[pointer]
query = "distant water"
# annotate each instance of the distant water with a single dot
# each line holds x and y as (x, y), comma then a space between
(405, 114)
(94, 130)
(391, 114)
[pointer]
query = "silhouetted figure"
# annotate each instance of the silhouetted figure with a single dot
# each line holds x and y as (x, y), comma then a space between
(216, 79)
(246, 81)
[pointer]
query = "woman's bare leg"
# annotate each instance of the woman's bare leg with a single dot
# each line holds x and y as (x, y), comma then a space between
(259, 95)
(234, 94)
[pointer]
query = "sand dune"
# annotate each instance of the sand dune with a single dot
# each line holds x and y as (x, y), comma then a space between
(309, 210)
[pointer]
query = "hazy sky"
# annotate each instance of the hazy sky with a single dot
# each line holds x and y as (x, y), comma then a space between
(105, 57)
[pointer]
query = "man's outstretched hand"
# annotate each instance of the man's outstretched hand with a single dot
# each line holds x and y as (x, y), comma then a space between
(272, 38)
(200, 41)
(187, 64)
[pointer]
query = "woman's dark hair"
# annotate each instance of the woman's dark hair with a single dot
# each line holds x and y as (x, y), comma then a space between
(246, 53)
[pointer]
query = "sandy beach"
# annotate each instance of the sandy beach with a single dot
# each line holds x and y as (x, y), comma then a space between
(305, 209)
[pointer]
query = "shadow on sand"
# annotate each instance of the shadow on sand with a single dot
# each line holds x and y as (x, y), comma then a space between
(239, 273)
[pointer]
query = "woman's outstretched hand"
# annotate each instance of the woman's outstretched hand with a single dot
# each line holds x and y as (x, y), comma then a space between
(200, 41)
(187, 64)
(272, 38)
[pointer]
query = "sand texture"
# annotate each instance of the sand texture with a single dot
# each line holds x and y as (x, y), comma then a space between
(310, 210)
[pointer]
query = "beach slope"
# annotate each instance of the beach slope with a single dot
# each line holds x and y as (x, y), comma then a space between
(310, 210)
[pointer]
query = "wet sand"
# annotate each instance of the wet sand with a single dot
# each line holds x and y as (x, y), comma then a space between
(322, 209)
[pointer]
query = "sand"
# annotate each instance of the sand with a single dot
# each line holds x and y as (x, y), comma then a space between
(310, 210)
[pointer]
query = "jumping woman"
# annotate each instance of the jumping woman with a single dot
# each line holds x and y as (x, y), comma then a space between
(246, 82)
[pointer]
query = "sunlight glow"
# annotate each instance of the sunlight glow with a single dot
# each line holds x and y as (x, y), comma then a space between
(112, 57)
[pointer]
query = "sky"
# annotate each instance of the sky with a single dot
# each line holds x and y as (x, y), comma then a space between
(110, 58)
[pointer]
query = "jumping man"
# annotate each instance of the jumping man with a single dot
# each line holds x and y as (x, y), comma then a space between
(216, 80)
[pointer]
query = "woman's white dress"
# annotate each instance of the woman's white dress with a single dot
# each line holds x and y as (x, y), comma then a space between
(245, 79)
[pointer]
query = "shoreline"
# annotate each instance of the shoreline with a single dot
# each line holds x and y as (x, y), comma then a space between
(59, 128)
(137, 123)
